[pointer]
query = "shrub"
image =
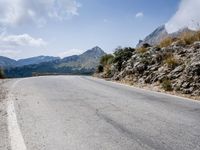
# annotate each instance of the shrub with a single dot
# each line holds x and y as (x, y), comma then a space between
(106, 59)
(142, 50)
(190, 37)
(99, 69)
(170, 60)
(121, 55)
(107, 71)
(166, 85)
(166, 42)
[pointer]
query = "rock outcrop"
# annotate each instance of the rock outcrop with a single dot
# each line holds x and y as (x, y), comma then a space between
(160, 34)
(177, 65)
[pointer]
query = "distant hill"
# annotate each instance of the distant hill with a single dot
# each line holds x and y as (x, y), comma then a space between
(88, 60)
(76, 64)
(35, 60)
(7, 62)
(159, 34)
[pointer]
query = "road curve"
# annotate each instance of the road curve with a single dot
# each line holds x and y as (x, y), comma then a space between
(84, 113)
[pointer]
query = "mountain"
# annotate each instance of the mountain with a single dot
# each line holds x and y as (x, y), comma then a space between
(155, 37)
(88, 60)
(159, 34)
(76, 64)
(7, 62)
(36, 60)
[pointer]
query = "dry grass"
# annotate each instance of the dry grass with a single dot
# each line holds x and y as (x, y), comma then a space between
(185, 38)
(142, 50)
(190, 37)
(171, 60)
(166, 42)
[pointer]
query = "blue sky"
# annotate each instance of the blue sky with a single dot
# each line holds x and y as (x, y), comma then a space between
(66, 27)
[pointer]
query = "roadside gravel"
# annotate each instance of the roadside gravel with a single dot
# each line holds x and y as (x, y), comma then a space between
(4, 140)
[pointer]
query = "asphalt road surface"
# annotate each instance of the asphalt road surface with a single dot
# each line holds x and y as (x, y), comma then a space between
(84, 113)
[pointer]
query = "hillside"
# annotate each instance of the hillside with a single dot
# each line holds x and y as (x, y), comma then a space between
(76, 64)
(173, 65)
(35, 60)
(7, 62)
(87, 60)
(160, 34)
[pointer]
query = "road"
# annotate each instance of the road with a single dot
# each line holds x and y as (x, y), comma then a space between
(84, 113)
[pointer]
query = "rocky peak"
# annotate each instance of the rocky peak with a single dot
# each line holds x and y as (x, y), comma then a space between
(159, 34)
(94, 52)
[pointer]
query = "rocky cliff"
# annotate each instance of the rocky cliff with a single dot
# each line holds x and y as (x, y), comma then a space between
(173, 68)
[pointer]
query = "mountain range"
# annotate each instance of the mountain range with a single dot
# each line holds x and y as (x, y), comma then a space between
(84, 63)
(6, 62)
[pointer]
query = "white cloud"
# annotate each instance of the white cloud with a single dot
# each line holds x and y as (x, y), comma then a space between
(21, 40)
(139, 15)
(70, 53)
(15, 12)
(9, 53)
(187, 15)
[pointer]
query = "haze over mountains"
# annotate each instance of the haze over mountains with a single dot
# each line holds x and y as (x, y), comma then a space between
(76, 64)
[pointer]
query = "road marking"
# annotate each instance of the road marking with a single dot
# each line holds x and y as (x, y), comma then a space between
(16, 138)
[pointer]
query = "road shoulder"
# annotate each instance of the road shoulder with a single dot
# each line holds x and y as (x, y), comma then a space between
(4, 140)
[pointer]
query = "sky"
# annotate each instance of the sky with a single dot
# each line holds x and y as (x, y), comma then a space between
(66, 27)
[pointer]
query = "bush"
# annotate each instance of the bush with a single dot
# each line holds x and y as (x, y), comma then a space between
(121, 55)
(142, 50)
(1, 74)
(166, 42)
(107, 71)
(170, 60)
(166, 85)
(106, 59)
(99, 69)
(190, 37)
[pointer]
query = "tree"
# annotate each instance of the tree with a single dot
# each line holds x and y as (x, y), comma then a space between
(1, 73)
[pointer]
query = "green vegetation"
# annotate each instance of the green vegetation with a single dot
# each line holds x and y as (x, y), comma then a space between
(106, 59)
(1, 73)
(105, 63)
(99, 69)
(166, 85)
(121, 55)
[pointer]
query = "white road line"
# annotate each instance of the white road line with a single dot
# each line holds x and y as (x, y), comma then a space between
(16, 138)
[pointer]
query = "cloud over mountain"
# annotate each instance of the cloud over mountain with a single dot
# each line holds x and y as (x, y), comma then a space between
(187, 15)
(21, 40)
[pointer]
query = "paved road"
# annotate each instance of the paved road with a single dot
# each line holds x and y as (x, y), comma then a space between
(83, 113)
